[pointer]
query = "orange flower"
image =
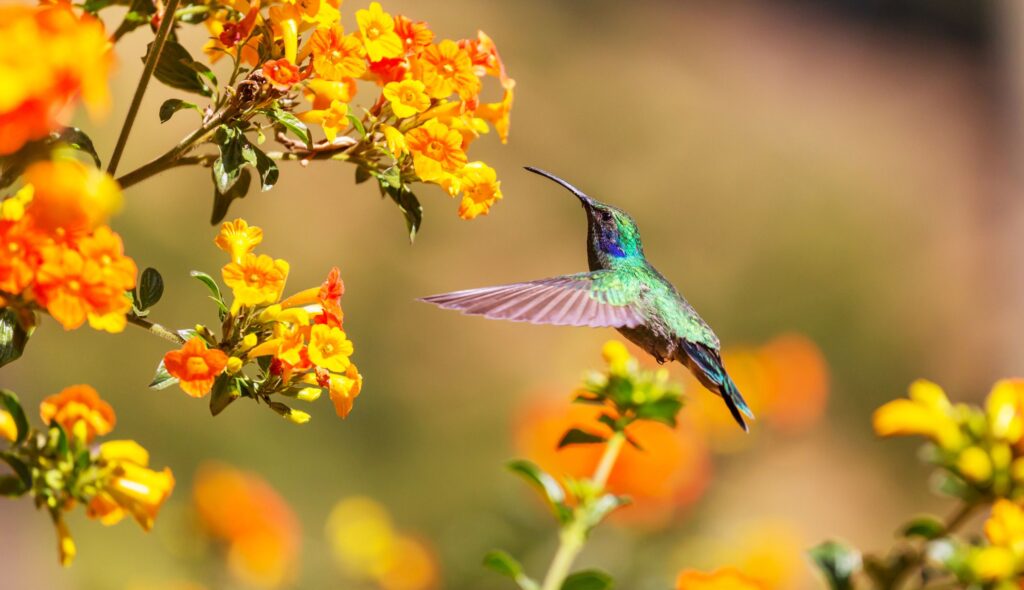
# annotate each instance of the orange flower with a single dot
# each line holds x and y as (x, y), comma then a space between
(447, 68)
(50, 56)
(336, 55)
(196, 366)
(70, 286)
(131, 487)
(256, 280)
(436, 149)
(238, 238)
(20, 247)
(344, 389)
(105, 248)
(407, 98)
(723, 579)
(498, 114)
(70, 197)
(282, 74)
(480, 189)
(673, 469)
(79, 408)
(377, 30)
(260, 530)
(416, 35)
(797, 382)
(330, 294)
(484, 54)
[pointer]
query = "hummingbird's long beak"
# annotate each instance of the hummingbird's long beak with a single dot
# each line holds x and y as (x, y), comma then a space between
(587, 201)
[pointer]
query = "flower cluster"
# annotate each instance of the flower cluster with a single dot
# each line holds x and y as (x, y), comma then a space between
(59, 467)
(997, 561)
(50, 57)
(59, 254)
(294, 347)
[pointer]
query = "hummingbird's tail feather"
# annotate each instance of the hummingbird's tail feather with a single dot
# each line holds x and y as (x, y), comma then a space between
(706, 365)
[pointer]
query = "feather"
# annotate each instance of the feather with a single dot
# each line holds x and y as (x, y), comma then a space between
(706, 364)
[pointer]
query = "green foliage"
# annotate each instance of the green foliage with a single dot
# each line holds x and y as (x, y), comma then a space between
(9, 401)
(504, 564)
(546, 483)
(173, 105)
(576, 436)
(13, 336)
(588, 580)
(150, 290)
(837, 562)
(225, 390)
(177, 69)
(215, 294)
(161, 378)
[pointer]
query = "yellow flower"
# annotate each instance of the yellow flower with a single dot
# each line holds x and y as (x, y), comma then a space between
(618, 358)
(377, 30)
(1003, 408)
(78, 409)
(436, 150)
(328, 110)
(8, 429)
(723, 579)
(395, 141)
(480, 189)
(927, 412)
(332, 119)
(329, 348)
(238, 238)
(336, 55)
(975, 464)
(407, 97)
(13, 208)
(446, 68)
(344, 389)
(255, 280)
(499, 114)
(1005, 527)
(131, 487)
(991, 564)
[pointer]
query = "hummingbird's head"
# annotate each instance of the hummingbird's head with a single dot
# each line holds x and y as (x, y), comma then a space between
(612, 232)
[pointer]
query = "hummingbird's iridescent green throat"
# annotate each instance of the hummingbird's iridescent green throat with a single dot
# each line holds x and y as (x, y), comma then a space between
(621, 291)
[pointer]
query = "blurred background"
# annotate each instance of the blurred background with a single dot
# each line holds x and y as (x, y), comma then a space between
(834, 185)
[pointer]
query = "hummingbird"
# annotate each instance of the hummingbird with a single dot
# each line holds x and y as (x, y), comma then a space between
(621, 291)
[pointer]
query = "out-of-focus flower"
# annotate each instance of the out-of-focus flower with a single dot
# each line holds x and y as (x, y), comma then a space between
(256, 280)
(71, 286)
(66, 549)
(366, 547)
(196, 366)
(129, 486)
(377, 31)
(259, 528)
(1004, 409)
(770, 552)
(8, 429)
(407, 97)
(69, 196)
(49, 57)
(79, 410)
(723, 579)
(927, 413)
(238, 238)
(335, 55)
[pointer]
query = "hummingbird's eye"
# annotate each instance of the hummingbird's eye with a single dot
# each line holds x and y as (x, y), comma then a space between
(606, 216)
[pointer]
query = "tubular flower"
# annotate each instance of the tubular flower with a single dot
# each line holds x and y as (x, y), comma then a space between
(79, 410)
(377, 30)
(335, 55)
(416, 35)
(196, 366)
(71, 197)
(499, 114)
(1004, 407)
(105, 248)
(130, 486)
(927, 412)
(282, 74)
(328, 100)
(238, 238)
(329, 348)
(49, 57)
(20, 244)
(407, 97)
(256, 280)
(723, 579)
(70, 286)
(333, 119)
(447, 68)
(395, 141)
(436, 150)
(344, 389)
(480, 189)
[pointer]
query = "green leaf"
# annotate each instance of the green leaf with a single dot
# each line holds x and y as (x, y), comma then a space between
(175, 69)
(162, 379)
(362, 175)
(588, 580)
(662, 410)
(266, 167)
(24, 474)
(13, 336)
(358, 124)
(211, 284)
(604, 506)
(504, 564)
(173, 105)
(547, 485)
(77, 139)
(837, 562)
(151, 288)
(227, 168)
(222, 200)
(225, 390)
(408, 204)
(11, 486)
(926, 527)
(291, 123)
(9, 401)
(575, 436)
(59, 439)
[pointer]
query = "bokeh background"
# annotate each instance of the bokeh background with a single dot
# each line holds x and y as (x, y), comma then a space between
(833, 184)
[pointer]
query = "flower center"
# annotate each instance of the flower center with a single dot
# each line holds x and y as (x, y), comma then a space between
(328, 349)
(373, 31)
(448, 68)
(254, 278)
(435, 149)
(74, 286)
(196, 365)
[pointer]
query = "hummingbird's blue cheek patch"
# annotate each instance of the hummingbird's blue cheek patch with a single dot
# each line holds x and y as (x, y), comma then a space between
(611, 247)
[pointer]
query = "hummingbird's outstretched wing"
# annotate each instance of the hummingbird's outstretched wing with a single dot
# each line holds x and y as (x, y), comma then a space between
(595, 299)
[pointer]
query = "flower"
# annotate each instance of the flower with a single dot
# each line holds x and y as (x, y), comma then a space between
(377, 30)
(259, 528)
(723, 579)
(79, 410)
(21, 246)
(328, 101)
(71, 286)
(8, 428)
(130, 486)
(436, 149)
(238, 238)
(336, 55)
(416, 35)
(344, 389)
(282, 74)
(499, 114)
(196, 366)
(332, 119)
(927, 412)
(407, 97)
(69, 196)
(1005, 526)
(329, 348)
(1003, 407)
(395, 141)
(480, 189)
(105, 248)
(255, 280)
(446, 68)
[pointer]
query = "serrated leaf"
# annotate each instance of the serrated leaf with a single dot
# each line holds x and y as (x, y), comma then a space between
(926, 527)
(837, 562)
(576, 436)
(173, 105)
(175, 69)
(544, 482)
(161, 378)
(151, 288)
(77, 139)
(13, 336)
(588, 580)
(222, 200)
(225, 390)
(662, 410)
(9, 401)
(291, 123)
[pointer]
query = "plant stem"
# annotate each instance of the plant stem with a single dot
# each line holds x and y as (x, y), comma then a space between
(953, 522)
(155, 49)
(156, 329)
(173, 158)
(574, 535)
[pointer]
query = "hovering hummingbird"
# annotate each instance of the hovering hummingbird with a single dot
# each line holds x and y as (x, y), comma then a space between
(621, 291)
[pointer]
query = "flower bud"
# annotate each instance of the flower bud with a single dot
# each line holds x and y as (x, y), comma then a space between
(298, 417)
(975, 464)
(234, 365)
(309, 394)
